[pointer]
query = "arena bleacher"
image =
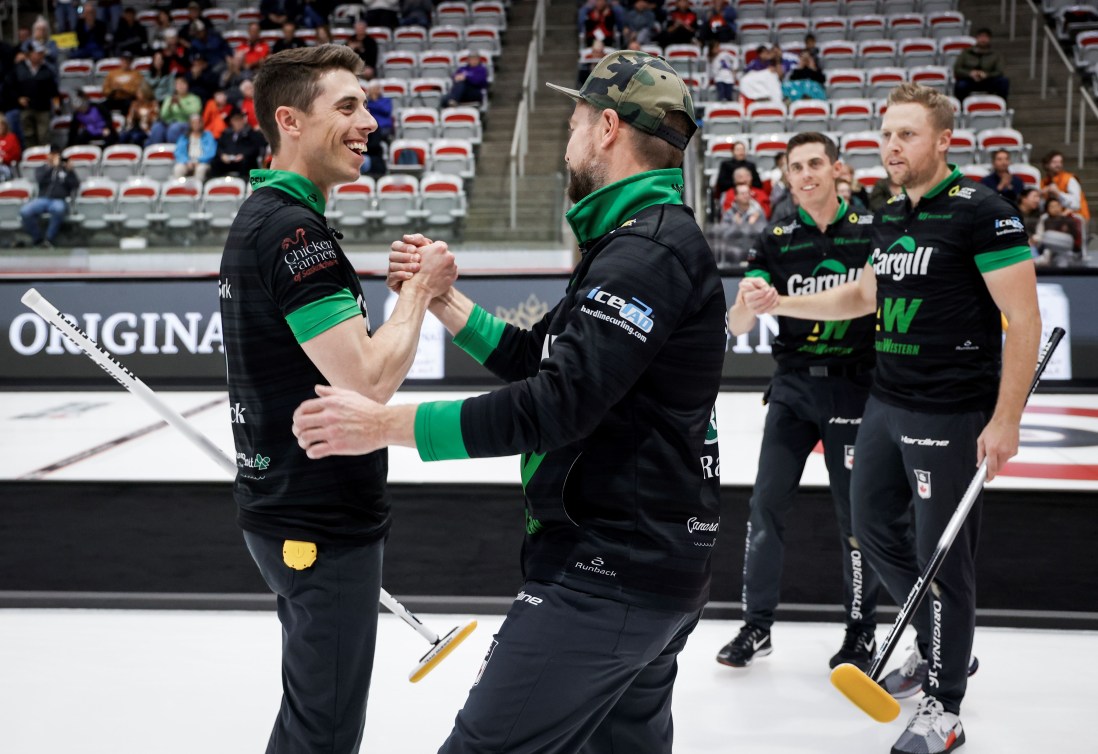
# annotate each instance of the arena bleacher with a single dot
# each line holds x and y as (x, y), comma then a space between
(429, 159)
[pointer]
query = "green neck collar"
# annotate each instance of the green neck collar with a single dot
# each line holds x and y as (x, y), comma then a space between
(941, 186)
(297, 186)
(600, 212)
(807, 218)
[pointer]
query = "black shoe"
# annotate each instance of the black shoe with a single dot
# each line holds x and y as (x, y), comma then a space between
(44, 244)
(750, 642)
(19, 243)
(858, 649)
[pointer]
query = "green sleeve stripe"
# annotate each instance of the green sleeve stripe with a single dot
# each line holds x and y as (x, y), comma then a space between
(758, 274)
(481, 334)
(996, 260)
(318, 316)
(438, 431)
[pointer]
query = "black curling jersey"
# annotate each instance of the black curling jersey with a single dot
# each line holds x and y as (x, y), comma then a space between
(285, 280)
(799, 259)
(939, 334)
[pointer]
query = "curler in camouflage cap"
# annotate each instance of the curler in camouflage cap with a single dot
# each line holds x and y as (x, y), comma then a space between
(641, 89)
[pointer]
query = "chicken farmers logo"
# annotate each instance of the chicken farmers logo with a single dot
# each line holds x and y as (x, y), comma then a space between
(304, 257)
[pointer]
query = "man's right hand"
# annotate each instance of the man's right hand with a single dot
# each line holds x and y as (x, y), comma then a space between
(437, 267)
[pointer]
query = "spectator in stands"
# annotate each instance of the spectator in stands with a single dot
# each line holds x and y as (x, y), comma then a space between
(238, 149)
(883, 190)
(762, 80)
(187, 29)
(253, 50)
(323, 35)
(246, 102)
(470, 81)
(741, 223)
(64, 15)
(130, 36)
(640, 23)
(599, 22)
(719, 24)
(56, 183)
(194, 151)
(176, 55)
(289, 40)
(215, 114)
(159, 31)
(121, 85)
(980, 69)
(727, 169)
(232, 77)
(1029, 205)
(1001, 179)
(381, 108)
(176, 111)
(382, 13)
(682, 25)
(315, 13)
(594, 54)
(782, 202)
(10, 151)
(722, 72)
(91, 34)
(160, 77)
(202, 80)
(1057, 183)
(1058, 236)
(34, 84)
(40, 34)
(416, 13)
(143, 115)
(210, 46)
(859, 196)
(812, 49)
(90, 125)
(109, 13)
(366, 47)
(278, 13)
(805, 81)
(740, 177)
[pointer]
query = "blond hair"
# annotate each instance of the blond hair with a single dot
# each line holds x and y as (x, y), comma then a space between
(939, 108)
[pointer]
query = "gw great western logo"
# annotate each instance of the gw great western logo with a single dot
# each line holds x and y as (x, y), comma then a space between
(633, 315)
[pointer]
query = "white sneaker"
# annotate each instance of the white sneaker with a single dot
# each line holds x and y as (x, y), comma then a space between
(932, 730)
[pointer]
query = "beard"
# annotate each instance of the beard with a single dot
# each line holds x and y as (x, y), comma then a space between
(585, 180)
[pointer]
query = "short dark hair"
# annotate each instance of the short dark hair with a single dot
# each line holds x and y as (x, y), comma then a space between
(290, 78)
(1027, 191)
(813, 137)
(657, 153)
(995, 153)
(1048, 157)
(982, 30)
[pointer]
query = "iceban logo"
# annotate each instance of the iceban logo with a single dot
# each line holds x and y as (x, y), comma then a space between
(636, 313)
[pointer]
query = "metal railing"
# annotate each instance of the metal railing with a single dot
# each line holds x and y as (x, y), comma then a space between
(1040, 30)
(520, 141)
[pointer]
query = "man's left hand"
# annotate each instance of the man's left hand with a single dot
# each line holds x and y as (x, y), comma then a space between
(998, 443)
(338, 422)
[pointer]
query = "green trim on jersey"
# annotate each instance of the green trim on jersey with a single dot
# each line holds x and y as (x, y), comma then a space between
(481, 334)
(758, 274)
(438, 431)
(996, 260)
(323, 314)
(612, 206)
(297, 186)
(940, 187)
(807, 218)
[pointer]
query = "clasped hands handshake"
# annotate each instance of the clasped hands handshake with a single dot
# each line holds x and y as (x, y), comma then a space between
(758, 296)
(344, 422)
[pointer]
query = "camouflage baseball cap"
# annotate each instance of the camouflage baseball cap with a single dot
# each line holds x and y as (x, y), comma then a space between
(641, 89)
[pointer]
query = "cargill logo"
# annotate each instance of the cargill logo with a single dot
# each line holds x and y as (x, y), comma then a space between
(908, 259)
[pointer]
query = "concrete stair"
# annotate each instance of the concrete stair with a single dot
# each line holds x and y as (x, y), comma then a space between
(541, 191)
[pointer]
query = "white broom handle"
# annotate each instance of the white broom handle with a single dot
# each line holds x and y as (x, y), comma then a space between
(127, 379)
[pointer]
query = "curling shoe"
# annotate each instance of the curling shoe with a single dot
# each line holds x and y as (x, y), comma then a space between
(750, 642)
(908, 679)
(931, 730)
(858, 649)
